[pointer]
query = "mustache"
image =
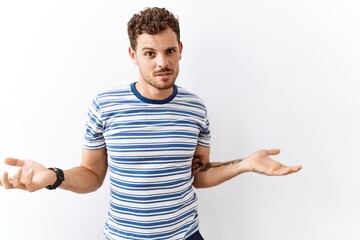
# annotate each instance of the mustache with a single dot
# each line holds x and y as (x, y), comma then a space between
(165, 69)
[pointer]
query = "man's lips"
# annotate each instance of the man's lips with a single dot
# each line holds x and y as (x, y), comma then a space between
(162, 74)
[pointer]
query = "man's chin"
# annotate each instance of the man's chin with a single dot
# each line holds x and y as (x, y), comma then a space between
(165, 85)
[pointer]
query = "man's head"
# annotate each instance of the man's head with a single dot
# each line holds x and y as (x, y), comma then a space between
(151, 21)
(156, 49)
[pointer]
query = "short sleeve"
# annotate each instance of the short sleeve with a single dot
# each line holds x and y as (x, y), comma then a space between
(204, 135)
(94, 137)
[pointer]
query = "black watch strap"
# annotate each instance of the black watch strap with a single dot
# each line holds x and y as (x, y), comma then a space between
(59, 178)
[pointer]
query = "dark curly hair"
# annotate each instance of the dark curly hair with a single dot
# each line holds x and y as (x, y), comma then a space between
(151, 21)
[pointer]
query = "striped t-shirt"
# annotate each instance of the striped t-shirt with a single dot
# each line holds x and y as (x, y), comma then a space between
(150, 145)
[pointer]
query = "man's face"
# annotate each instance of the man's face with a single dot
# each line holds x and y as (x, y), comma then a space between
(158, 59)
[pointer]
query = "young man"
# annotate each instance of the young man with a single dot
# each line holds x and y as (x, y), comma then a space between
(153, 138)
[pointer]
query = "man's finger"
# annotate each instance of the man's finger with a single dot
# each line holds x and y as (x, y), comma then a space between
(29, 181)
(17, 178)
(286, 170)
(4, 178)
(282, 171)
(273, 151)
(296, 168)
(14, 162)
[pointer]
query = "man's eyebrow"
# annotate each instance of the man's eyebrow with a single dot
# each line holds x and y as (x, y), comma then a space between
(147, 48)
(152, 49)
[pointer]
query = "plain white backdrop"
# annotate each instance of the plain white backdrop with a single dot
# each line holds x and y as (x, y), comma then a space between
(274, 74)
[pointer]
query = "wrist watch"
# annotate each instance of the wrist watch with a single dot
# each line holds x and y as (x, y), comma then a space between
(59, 178)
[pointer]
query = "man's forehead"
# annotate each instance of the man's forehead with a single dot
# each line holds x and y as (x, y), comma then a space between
(162, 40)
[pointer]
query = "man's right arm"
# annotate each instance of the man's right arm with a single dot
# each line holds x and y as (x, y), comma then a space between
(33, 176)
(90, 175)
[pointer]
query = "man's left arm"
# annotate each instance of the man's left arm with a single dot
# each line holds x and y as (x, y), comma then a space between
(209, 174)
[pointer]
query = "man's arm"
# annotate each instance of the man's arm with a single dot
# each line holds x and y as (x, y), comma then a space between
(90, 175)
(208, 174)
(33, 176)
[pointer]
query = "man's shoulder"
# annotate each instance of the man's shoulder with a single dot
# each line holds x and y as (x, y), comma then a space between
(188, 95)
(114, 93)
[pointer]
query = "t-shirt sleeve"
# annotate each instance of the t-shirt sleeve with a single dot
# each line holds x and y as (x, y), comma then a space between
(204, 135)
(94, 138)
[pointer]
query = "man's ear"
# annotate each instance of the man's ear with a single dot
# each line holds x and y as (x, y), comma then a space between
(180, 49)
(132, 54)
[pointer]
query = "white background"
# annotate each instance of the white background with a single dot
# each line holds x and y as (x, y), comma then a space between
(282, 74)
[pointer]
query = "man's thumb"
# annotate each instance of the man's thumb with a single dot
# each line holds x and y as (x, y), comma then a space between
(14, 162)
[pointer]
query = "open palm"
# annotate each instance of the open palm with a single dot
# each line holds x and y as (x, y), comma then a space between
(261, 162)
(31, 175)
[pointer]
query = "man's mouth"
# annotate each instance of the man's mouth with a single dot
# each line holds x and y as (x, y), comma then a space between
(163, 74)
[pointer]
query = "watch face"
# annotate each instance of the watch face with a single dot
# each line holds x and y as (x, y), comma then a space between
(59, 178)
(59, 174)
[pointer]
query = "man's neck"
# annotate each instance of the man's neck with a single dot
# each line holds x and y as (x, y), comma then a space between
(151, 92)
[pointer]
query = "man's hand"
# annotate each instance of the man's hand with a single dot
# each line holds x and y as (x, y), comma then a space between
(31, 175)
(261, 163)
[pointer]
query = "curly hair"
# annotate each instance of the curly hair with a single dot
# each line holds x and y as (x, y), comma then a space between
(151, 21)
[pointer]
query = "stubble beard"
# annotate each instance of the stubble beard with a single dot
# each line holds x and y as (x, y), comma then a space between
(158, 84)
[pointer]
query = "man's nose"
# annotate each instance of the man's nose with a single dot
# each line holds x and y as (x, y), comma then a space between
(162, 61)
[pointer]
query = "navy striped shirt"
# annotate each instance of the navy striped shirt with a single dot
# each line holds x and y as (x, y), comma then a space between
(150, 145)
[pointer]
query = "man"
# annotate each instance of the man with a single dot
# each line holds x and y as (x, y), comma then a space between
(153, 138)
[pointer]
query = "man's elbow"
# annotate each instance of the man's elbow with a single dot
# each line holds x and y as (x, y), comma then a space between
(200, 184)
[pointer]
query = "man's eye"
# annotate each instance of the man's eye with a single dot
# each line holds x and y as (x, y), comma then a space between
(149, 54)
(171, 51)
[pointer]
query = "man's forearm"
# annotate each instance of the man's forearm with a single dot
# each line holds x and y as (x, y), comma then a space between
(207, 174)
(215, 173)
(80, 180)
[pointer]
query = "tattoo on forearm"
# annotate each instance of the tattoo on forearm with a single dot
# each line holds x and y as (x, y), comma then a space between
(216, 165)
(196, 163)
(199, 165)
(258, 171)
